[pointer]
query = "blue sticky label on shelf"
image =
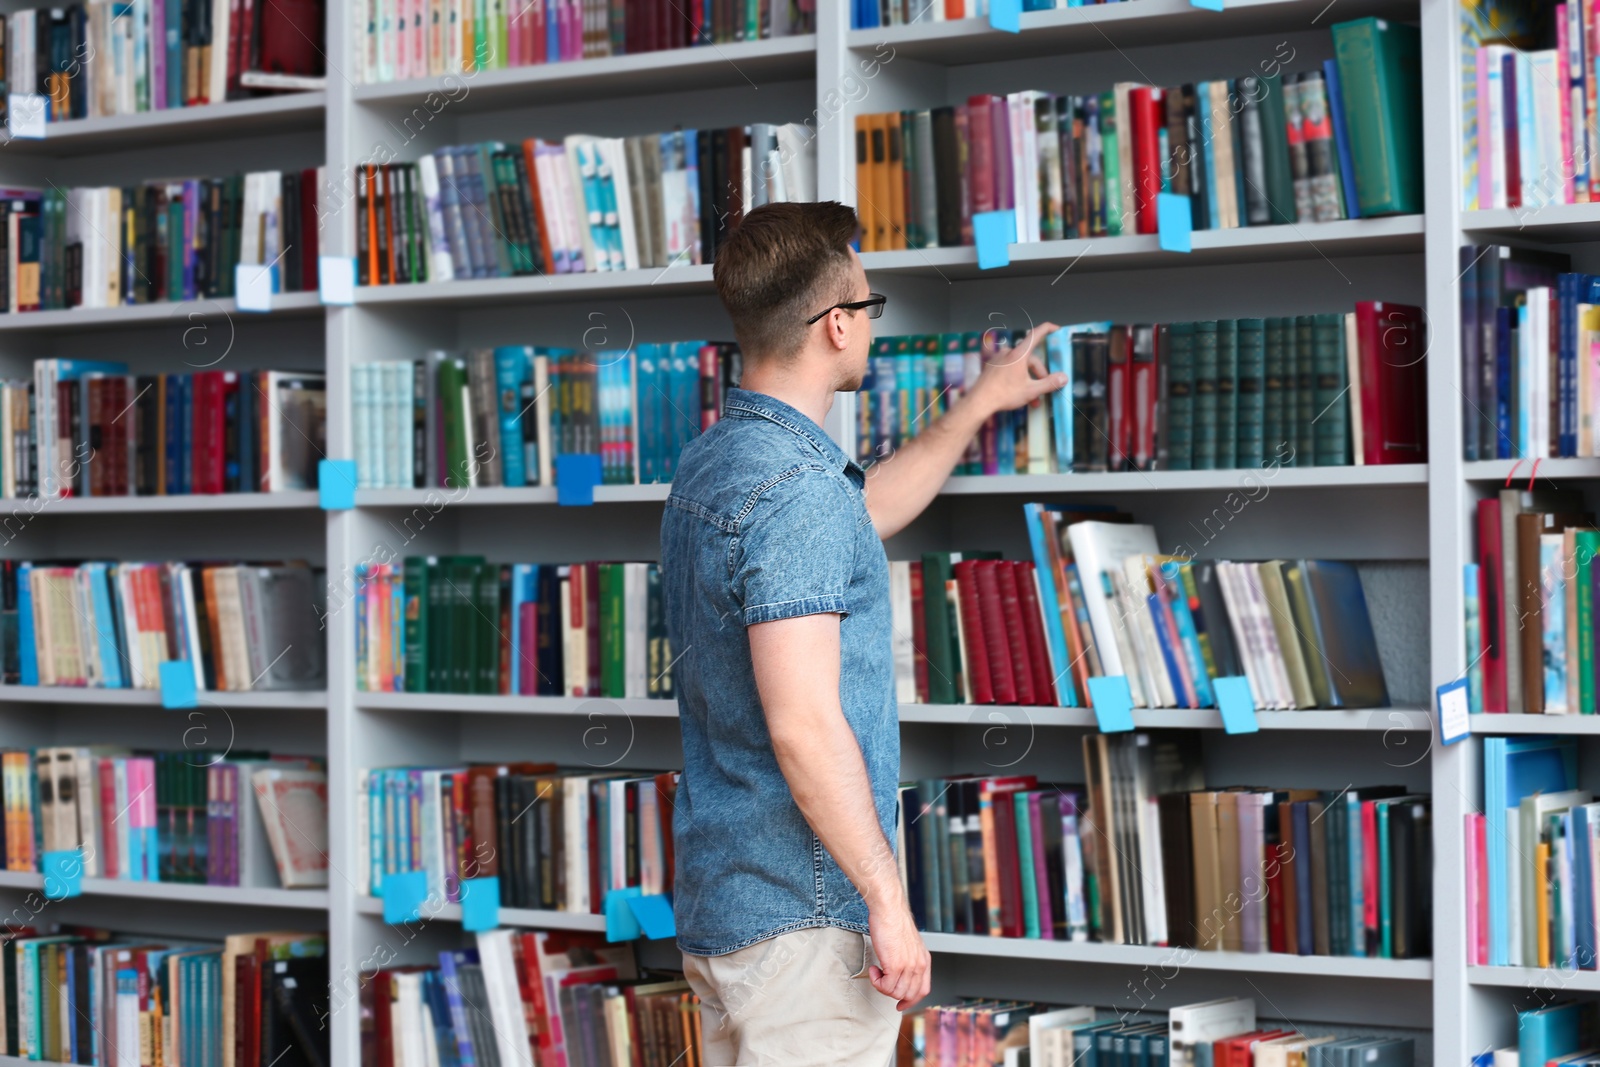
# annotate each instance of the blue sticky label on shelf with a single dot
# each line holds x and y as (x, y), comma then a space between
(576, 476)
(1006, 15)
(253, 284)
(621, 925)
(1113, 703)
(1237, 705)
(480, 904)
(403, 895)
(1209, 5)
(63, 874)
(336, 484)
(336, 280)
(1455, 720)
(993, 232)
(1174, 222)
(654, 915)
(177, 684)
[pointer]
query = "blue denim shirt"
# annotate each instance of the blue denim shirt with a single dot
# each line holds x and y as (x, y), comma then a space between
(766, 521)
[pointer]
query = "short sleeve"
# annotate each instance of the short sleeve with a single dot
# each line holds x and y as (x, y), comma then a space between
(796, 550)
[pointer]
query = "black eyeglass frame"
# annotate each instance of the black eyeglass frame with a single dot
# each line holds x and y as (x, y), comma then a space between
(872, 305)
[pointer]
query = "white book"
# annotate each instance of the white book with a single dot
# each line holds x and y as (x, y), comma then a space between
(1197, 1024)
(905, 677)
(363, 832)
(1067, 1019)
(441, 265)
(511, 1037)
(575, 824)
(361, 414)
(1098, 547)
(1157, 679)
(580, 168)
(1244, 639)
(636, 637)
(1514, 880)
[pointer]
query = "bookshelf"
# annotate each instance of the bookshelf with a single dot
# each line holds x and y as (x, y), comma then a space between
(1410, 522)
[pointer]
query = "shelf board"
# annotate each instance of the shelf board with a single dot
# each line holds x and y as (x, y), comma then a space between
(1534, 724)
(934, 714)
(704, 67)
(539, 920)
(1149, 956)
(181, 314)
(1560, 223)
(502, 496)
(72, 694)
(310, 899)
(1165, 481)
(1517, 472)
(1251, 244)
(1102, 27)
(261, 116)
(481, 292)
(1535, 977)
(146, 505)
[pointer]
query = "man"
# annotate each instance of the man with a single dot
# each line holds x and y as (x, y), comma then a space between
(777, 592)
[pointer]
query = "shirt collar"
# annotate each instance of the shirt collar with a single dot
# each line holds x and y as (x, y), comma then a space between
(746, 404)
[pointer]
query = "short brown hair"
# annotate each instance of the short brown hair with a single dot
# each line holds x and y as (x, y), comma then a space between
(784, 263)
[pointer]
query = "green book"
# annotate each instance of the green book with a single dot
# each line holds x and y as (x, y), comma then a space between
(493, 586)
(483, 163)
(1227, 393)
(613, 618)
(452, 384)
(1380, 78)
(1331, 397)
(1205, 396)
(1304, 394)
(1110, 167)
(1275, 152)
(1277, 437)
(1026, 866)
(1180, 397)
(934, 877)
(659, 657)
(941, 642)
(1249, 385)
(1586, 544)
(416, 573)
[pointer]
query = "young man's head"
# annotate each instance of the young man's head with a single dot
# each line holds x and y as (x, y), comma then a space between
(781, 275)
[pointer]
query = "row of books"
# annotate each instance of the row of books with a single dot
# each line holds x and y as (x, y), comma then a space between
(169, 816)
(459, 624)
(112, 625)
(1530, 366)
(1308, 390)
(586, 203)
(161, 241)
(870, 14)
(1261, 150)
(1528, 108)
(1564, 1034)
(558, 841)
(532, 996)
(89, 996)
(101, 58)
(1529, 604)
(89, 428)
(502, 416)
(1222, 1032)
(1145, 854)
(1100, 599)
(414, 39)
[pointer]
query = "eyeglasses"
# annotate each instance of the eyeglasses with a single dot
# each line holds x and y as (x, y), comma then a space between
(872, 305)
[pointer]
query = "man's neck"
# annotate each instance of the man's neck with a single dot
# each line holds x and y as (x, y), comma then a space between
(809, 394)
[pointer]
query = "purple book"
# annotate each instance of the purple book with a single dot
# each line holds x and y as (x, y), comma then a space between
(1041, 870)
(1000, 131)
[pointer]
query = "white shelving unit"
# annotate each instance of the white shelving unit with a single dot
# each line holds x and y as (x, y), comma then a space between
(1407, 525)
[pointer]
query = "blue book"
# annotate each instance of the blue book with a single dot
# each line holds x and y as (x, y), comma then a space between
(1583, 885)
(174, 44)
(1514, 768)
(105, 623)
(1354, 870)
(1054, 631)
(1202, 91)
(1502, 368)
(185, 383)
(1559, 1030)
(1300, 812)
(1058, 360)
(28, 653)
(512, 366)
(1169, 655)
(1189, 635)
(376, 821)
(450, 964)
(1341, 138)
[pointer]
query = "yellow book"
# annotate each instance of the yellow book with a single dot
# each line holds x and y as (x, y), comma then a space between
(1541, 898)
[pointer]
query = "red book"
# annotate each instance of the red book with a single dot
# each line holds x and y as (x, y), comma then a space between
(1016, 636)
(1490, 611)
(991, 634)
(1369, 874)
(1004, 806)
(591, 590)
(964, 151)
(99, 456)
(108, 819)
(1277, 939)
(1147, 112)
(1240, 1051)
(667, 787)
(529, 679)
(1044, 689)
(209, 426)
(919, 631)
(1394, 382)
(980, 157)
(1000, 136)
(1508, 137)
(1145, 360)
(247, 1013)
(309, 246)
(66, 439)
(120, 432)
(977, 665)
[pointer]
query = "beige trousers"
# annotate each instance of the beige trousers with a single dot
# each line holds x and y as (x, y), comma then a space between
(797, 1000)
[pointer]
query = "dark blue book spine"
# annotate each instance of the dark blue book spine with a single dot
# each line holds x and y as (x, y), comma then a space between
(1567, 361)
(1304, 935)
(170, 447)
(1504, 446)
(1341, 138)
(186, 433)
